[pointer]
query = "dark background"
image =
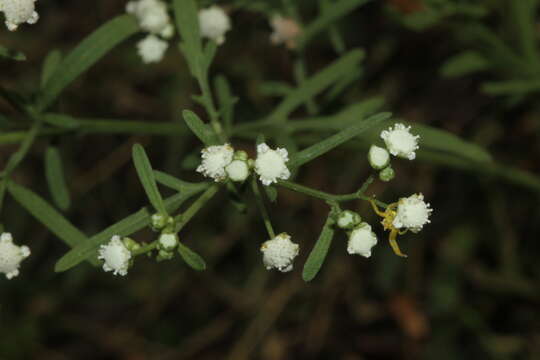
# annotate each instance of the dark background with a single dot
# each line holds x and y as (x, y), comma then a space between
(469, 289)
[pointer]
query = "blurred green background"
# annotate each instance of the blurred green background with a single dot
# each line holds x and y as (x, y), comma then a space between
(470, 287)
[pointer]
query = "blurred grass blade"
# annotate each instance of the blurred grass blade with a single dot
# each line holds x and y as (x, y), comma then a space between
(200, 129)
(146, 175)
(50, 65)
(331, 14)
(194, 260)
(49, 217)
(125, 227)
(61, 121)
(86, 54)
(54, 172)
(11, 54)
(226, 102)
(320, 250)
(333, 141)
(465, 63)
(177, 184)
(317, 83)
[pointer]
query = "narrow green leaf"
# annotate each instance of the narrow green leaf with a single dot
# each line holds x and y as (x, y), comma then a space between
(317, 83)
(320, 250)
(187, 23)
(333, 141)
(465, 63)
(125, 227)
(512, 87)
(86, 54)
(146, 175)
(61, 121)
(194, 260)
(200, 129)
(11, 54)
(177, 184)
(54, 172)
(275, 88)
(49, 217)
(50, 65)
(226, 102)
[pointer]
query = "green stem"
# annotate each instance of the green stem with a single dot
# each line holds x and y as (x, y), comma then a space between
(182, 219)
(208, 103)
(145, 248)
(262, 208)
(21, 153)
(330, 197)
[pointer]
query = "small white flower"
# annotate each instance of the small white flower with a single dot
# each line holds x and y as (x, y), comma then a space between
(361, 240)
(270, 164)
(115, 255)
(167, 241)
(400, 142)
(11, 256)
(279, 253)
(152, 16)
(378, 157)
(151, 49)
(237, 170)
(18, 12)
(348, 219)
(214, 23)
(214, 161)
(286, 30)
(412, 213)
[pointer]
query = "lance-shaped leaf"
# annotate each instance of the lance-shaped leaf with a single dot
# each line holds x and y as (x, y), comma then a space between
(50, 65)
(177, 184)
(200, 129)
(86, 54)
(317, 83)
(48, 216)
(320, 250)
(146, 175)
(54, 172)
(11, 54)
(194, 260)
(333, 141)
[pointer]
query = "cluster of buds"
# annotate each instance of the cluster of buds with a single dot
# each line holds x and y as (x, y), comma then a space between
(222, 162)
(153, 18)
(214, 23)
(18, 12)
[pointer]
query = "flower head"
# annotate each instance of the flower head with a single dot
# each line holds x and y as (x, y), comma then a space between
(378, 157)
(361, 240)
(270, 164)
(286, 30)
(214, 23)
(400, 142)
(152, 16)
(151, 49)
(279, 253)
(237, 170)
(11, 256)
(412, 213)
(115, 255)
(214, 161)
(168, 241)
(18, 12)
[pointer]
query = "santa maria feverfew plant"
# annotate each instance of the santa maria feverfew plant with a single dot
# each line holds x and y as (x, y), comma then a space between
(274, 161)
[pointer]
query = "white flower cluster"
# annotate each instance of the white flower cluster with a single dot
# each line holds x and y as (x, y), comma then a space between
(19, 12)
(400, 142)
(279, 253)
(116, 256)
(214, 23)
(11, 256)
(221, 162)
(412, 213)
(361, 240)
(153, 18)
(285, 31)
